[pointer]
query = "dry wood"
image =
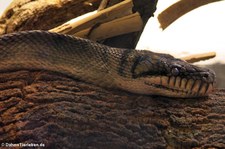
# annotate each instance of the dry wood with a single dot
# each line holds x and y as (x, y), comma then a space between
(199, 57)
(119, 10)
(175, 11)
(127, 24)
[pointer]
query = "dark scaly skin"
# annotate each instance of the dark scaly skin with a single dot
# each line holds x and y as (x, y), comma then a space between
(141, 72)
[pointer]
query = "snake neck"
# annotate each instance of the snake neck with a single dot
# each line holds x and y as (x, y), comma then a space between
(75, 57)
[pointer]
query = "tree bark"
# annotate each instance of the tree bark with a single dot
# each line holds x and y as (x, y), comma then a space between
(61, 112)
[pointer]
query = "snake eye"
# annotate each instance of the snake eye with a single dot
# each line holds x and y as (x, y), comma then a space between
(175, 71)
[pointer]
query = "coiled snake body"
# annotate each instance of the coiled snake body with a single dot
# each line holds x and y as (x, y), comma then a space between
(141, 72)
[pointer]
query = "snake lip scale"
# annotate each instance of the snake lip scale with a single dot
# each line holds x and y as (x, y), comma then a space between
(136, 71)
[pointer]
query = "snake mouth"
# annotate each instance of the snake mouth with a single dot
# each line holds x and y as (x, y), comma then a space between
(180, 87)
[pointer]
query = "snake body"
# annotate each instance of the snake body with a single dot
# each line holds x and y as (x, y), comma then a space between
(136, 71)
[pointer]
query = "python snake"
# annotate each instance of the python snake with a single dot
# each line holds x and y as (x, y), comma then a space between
(136, 71)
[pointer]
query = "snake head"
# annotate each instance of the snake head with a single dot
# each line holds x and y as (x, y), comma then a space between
(164, 75)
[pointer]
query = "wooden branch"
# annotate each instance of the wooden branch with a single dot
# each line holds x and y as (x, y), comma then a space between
(199, 57)
(119, 10)
(124, 25)
(178, 9)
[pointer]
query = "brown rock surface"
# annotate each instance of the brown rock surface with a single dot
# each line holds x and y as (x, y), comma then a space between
(61, 112)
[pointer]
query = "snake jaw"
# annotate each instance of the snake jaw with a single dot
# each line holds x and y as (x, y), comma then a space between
(176, 80)
(178, 87)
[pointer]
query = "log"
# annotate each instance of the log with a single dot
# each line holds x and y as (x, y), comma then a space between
(61, 112)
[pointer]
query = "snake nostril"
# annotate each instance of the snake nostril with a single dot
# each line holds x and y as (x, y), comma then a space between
(206, 75)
